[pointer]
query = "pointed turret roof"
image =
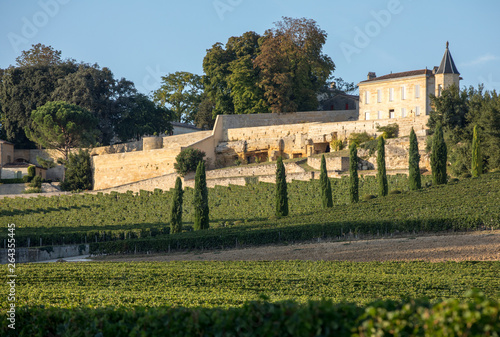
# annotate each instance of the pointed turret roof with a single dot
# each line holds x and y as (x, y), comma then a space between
(447, 65)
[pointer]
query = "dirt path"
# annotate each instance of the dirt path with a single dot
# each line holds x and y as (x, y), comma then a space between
(477, 246)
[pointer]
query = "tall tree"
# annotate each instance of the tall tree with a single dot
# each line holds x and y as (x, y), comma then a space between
(24, 89)
(415, 180)
(383, 187)
(281, 189)
(62, 126)
(231, 78)
(140, 116)
(353, 173)
(439, 157)
(98, 91)
(201, 210)
(176, 207)
(180, 92)
(477, 158)
(293, 68)
(39, 54)
(325, 184)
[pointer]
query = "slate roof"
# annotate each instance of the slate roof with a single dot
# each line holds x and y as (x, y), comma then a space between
(447, 65)
(401, 74)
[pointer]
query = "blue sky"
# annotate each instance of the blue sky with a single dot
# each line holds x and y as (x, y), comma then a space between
(144, 40)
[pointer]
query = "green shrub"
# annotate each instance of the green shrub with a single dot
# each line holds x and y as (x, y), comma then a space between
(78, 175)
(359, 138)
(26, 179)
(336, 145)
(31, 171)
(389, 131)
(36, 182)
(32, 190)
(453, 181)
(187, 161)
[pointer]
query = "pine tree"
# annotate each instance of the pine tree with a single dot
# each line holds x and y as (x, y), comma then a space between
(353, 170)
(326, 187)
(439, 157)
(176, 208)
(281, 192)
(413, 163)
(383, 188)
(201, 211)
(477, 158)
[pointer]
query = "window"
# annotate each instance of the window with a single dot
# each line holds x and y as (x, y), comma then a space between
(403, 92)
(379, 96)
(391, 94)
(417, 111)
(403, 112)
(379, 114)
(417, 91)
(391, 113)
(366, 97)
(440, 88)
(367, 116)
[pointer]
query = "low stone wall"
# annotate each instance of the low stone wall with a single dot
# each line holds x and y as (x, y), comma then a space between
(24, 255)
(332, 163)
(257, 170)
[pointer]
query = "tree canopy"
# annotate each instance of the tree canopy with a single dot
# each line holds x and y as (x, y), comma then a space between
(180, 92)
(62, 126)
(42, 76)
(280, 71)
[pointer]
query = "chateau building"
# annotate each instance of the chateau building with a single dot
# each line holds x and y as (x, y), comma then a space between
(405, 94)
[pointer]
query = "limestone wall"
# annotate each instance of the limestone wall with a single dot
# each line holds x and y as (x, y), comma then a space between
(332, 163)
(122, 168)
(228, 122)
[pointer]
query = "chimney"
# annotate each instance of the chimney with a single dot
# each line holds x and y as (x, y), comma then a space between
(371, 75)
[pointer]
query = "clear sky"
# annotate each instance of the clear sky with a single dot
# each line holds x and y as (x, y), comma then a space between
(144, 40)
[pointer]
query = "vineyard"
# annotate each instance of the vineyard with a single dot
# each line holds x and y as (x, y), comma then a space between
(230, 284)
(243, 215)
(71, 293)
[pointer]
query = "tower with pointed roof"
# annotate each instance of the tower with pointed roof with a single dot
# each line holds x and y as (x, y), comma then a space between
(447, 74)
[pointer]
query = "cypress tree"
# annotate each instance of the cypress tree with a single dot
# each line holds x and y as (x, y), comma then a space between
(383, 188)
(413, 163)
(326, 187)
(353, 170)
(281, 192)
(439, 157)
(477, 158)
(201, 211)
(176, 208)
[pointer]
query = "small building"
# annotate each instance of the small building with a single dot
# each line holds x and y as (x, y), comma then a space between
(405, 94)
(19, 170)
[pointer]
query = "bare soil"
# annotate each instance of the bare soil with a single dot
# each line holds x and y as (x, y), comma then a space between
(471, 246)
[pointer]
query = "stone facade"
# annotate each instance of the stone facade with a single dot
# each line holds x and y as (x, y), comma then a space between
(405, 94)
